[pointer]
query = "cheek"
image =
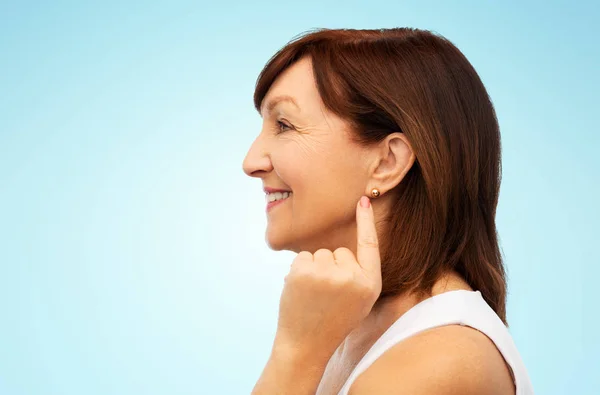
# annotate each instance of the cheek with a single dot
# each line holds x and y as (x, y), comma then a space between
(324, 181)
(294, 166)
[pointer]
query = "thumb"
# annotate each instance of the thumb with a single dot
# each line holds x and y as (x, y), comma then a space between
(367, 247)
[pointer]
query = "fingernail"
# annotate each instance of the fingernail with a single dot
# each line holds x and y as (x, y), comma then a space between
(365, 202)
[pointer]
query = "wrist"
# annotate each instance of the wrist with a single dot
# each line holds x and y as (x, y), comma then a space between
(291, 370)
(303, 355)
(300, 358)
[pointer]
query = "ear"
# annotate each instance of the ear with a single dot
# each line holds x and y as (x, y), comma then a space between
(394, 158)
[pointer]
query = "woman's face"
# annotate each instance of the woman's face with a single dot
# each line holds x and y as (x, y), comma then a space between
(307, 150)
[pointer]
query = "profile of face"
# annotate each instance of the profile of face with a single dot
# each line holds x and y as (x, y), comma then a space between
(307, 150)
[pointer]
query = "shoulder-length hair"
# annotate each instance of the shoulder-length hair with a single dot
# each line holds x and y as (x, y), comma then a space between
(418, 83)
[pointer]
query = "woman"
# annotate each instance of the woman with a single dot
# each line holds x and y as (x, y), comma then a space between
(380, 157)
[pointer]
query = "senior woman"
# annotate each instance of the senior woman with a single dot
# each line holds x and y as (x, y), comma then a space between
(380, 157)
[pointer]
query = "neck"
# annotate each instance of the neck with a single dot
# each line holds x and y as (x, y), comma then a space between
(389, 309)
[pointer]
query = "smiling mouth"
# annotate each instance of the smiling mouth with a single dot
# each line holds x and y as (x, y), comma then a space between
(277, 196)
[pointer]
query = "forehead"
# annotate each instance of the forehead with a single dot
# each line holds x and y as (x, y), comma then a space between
(297, 82)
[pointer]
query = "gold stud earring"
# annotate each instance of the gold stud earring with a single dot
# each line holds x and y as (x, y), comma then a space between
(375, 193)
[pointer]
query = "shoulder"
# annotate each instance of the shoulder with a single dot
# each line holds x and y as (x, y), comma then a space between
(448, 360)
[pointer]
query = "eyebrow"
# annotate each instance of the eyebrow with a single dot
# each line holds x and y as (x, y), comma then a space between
(279, 99)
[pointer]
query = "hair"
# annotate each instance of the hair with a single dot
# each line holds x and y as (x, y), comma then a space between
(418, 83)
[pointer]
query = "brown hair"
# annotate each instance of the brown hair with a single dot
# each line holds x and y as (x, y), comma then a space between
(418, 83)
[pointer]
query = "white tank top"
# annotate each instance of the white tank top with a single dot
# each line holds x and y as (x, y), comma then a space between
(450, 308)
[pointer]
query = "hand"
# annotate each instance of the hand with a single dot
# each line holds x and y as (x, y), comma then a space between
(327, 295)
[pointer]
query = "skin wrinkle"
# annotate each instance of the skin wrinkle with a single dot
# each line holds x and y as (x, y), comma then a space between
(315, 138)
(312, 138)
(306, 136)
(306, 140)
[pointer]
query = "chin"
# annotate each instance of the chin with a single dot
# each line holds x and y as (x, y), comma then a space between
(276, 243)
(281, 244)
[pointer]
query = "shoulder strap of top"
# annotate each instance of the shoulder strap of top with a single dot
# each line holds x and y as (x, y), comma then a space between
(450, 308)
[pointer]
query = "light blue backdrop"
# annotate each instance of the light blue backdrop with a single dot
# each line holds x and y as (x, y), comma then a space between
(132, 254)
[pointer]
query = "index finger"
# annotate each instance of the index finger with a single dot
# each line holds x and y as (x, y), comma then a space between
(367, 247)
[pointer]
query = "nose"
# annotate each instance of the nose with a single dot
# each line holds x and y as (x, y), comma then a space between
(257, 162)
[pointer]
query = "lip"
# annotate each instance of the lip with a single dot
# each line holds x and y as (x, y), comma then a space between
(270, 205)
(273, 190)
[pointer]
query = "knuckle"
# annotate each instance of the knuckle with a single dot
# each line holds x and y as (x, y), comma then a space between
(323, 254)
(342, 251)
(369, 242)
(371, 294)
(304, 255)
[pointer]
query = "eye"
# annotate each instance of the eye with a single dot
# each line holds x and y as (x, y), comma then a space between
(282, 127)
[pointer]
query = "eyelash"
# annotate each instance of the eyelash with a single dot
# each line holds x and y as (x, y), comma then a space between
(279, 124)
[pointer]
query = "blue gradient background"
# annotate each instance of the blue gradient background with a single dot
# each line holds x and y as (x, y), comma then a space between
(132, 253)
